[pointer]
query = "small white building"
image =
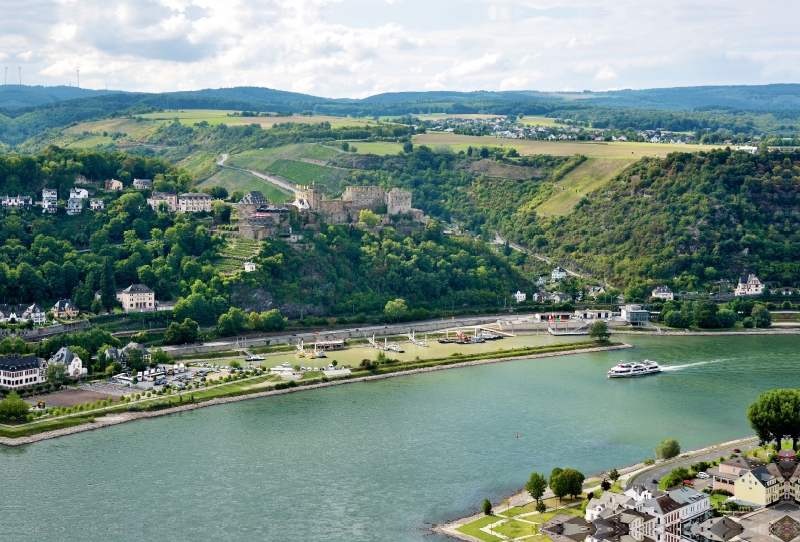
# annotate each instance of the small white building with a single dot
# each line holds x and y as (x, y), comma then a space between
(520, 296)
(78, 193)
(97, 205)
(73, 363)
(74, 206)
(35, 313)
(142, 184)
(558, 274)
(663, 292)
(49, 200)
(249, 267)
(137, 298)
(749, 285)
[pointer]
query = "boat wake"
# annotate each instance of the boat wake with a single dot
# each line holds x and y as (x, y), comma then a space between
(669, 368)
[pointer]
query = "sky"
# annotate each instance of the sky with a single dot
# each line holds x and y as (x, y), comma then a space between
(357, 48)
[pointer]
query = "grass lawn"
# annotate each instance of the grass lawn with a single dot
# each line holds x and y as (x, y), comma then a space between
(718, 499)
(516, 529)
(380, 148)
(616, 487)
(233, 179)
(474, 528)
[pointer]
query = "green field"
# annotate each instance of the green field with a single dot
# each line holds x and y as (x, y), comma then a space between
(474, 529)
(378, 147)
(220, 116)
(261, 158)
(581, 181)
(234, 179)
(614, 149)
(306, 174)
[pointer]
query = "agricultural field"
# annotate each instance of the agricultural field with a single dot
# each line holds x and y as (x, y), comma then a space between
(581, 181)
(201, 164)
(262, 158)
(557, 148)
(380, 148)
(234, 179)
(304, 173)
(233, 255)
(219, 116)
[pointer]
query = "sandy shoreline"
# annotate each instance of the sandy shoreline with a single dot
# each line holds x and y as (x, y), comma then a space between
(115, 419)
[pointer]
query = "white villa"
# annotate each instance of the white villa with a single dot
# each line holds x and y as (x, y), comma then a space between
(749, 285)
(663, 292)
(17, 372)
(558, 274)
(520, 296)
(73, 363)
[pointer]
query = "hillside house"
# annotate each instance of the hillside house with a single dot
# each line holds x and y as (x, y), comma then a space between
(519, 297)
(113, 184)
(249, 267)
(558, 274)
(663, 292)
(157, 198)
(74, 206)
(142, 184)
(16, 202)
(78, 193)
(97, 205)
(137, 298)
(194, 202)
(65, 308)
(749, 285)
(49, 200)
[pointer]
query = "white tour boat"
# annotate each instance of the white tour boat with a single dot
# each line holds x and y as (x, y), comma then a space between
(633, 368)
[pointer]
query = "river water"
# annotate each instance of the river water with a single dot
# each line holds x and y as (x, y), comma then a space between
(379, 461)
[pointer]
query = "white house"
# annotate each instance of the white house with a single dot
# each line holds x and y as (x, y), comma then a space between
(749, 285)
(74, 206)
(73, 363)
(49, 200)
(97, 205)
(34, 312)
(663, 292)
(193, 202)
(137, 298)
(558, 274)
(142, 184)
(249, 267)
(78, 193)
(520, 296)
(693, 503)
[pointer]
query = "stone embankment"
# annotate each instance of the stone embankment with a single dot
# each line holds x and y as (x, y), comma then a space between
(115, 419)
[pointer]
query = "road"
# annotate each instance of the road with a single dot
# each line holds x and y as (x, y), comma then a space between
(222, 160)
(646, 478)
(390, 329)
(519, 248)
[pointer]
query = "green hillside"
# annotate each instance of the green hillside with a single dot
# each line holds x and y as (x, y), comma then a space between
(698, 217)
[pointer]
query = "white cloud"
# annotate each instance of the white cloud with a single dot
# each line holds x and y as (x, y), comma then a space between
(161, 45)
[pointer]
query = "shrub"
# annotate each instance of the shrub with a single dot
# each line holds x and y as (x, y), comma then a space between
(133, 407)
(487, 507)
(668, 448)
(649, 461)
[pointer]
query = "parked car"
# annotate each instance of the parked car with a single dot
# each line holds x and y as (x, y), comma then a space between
(655, 481)
(149, 388)
(737, 451)
(688, 483)
(703, 475)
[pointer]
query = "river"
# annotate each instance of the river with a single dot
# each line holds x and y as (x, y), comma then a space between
(378, 461)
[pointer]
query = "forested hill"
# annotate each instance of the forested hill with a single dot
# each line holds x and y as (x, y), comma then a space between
(697, 217)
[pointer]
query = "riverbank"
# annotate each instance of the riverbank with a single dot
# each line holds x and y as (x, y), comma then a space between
(707, 333)
(627, 473)
(123, 417)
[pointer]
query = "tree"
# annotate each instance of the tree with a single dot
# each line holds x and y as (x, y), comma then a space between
(668, 448)
(396, 309)
(108, 288)
(560, 485)
(408, 147)
(487, 507)
(135, 360)
(13, 407)
(369, 218)
(56, 374)
(235, 365)
(574, 481)
(614, 475)
(599, 331)
(761, 316)
(726, 318)
(776, 414)
(541, 507)
(673, 318)
(536, 486)
(159, 357)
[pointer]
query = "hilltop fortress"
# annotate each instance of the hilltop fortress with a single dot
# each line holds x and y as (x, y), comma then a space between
(259, 219)
(356, 199)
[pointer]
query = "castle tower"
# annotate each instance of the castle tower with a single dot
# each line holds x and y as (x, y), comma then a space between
(398, 202)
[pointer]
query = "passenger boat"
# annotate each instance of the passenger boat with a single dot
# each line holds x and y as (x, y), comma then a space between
(633, 368)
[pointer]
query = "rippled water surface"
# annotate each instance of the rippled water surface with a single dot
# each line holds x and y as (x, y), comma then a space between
(381, 460)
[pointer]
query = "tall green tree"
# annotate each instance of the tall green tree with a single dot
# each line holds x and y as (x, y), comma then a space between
(108, 288)
(13, 407)
(668, 448)
(536, 486)
(56, 374)
(775, 415)
(599, 331)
